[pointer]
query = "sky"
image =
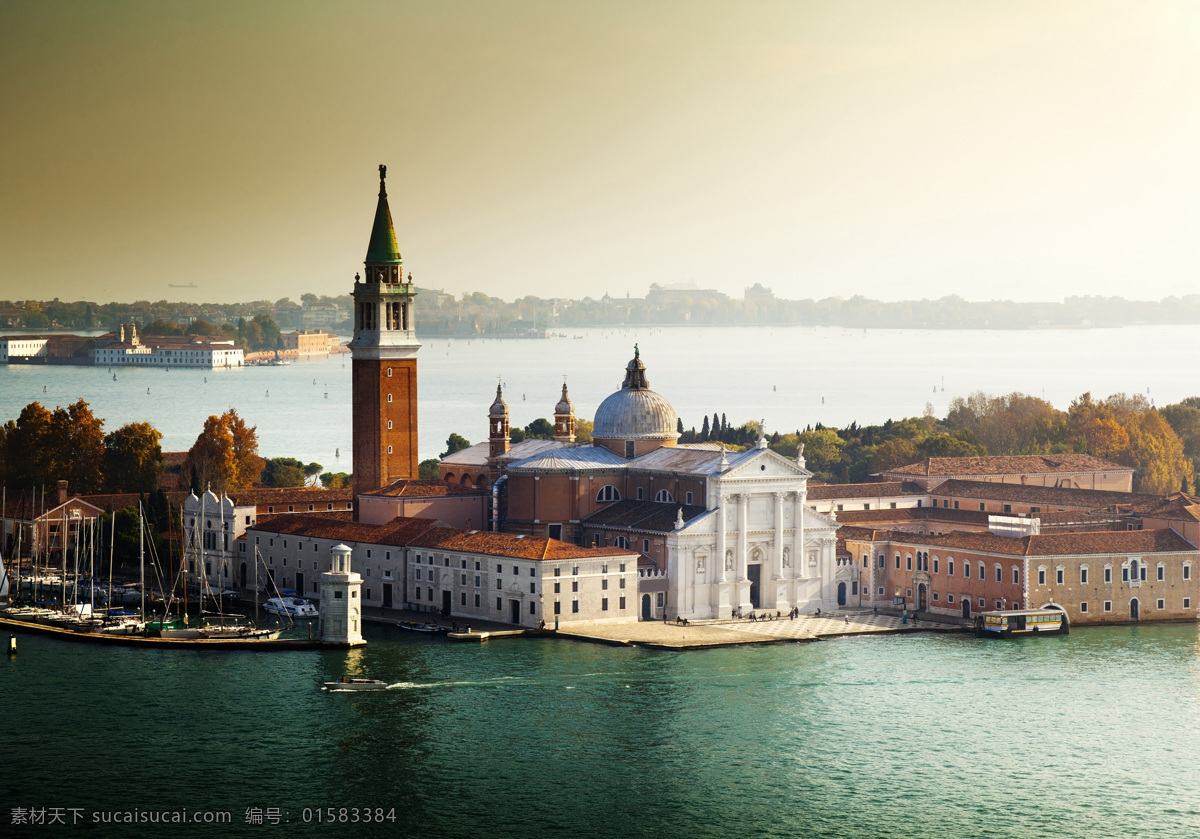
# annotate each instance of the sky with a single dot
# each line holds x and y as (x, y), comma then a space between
(897, 149)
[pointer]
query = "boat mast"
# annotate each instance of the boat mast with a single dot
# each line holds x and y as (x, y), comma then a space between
(62, 555)
(141, 554)
(112, 540)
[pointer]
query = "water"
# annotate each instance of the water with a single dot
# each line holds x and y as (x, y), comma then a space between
(1092, 734)
(790, 376)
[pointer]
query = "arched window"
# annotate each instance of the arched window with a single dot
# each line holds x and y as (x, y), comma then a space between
(608, 493)
(621, 542)
(663, 495)
(449, 477)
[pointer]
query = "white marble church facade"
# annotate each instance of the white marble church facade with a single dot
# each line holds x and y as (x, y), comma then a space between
(758, 547)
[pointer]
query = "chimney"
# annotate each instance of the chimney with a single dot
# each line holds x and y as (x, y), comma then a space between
(62, 492)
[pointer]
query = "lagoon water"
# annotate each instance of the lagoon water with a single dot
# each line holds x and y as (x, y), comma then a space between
(1094, 734)
(790, 376)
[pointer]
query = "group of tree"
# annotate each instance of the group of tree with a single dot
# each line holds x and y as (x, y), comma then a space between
(289, 472)
(259, 333)
(41, 447)
(1162, 447)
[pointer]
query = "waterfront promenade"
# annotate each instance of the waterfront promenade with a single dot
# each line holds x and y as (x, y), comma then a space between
(729, 633)
(706, 634)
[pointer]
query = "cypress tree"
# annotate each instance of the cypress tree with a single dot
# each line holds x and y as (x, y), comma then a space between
(704, 429)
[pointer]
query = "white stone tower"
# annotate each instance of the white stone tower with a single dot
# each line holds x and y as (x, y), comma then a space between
(341, 601)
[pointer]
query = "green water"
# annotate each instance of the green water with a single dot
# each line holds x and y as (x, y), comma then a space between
(1092, 734)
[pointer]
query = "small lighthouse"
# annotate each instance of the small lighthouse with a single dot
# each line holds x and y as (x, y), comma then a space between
(341, 601)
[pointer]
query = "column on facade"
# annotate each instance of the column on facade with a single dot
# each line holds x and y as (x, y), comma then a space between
(743, 533)
(718, 574)
(798, 558)
(777, 545)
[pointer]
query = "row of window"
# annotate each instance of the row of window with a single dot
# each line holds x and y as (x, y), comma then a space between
(609, 492)
(1132, 571)
(923, 564)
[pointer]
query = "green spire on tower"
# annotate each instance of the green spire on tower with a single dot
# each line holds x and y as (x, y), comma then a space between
(383, 249)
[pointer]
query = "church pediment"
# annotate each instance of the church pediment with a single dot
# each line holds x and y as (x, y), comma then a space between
(764, 463)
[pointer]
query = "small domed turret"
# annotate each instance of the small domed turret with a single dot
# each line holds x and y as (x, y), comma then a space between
(564, 418)
(498, 438)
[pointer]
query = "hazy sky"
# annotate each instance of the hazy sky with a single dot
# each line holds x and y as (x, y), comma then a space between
(891, 148)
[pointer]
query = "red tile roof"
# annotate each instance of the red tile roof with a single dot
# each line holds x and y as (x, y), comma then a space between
(1007, 465)
(1058, 544)
(1027, 494)
(510, 545)
(903, 514)
(425, 489)
(878, 489)
(398, 532)
(259, 496)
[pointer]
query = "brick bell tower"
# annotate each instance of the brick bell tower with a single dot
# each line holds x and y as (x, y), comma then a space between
(384, 365)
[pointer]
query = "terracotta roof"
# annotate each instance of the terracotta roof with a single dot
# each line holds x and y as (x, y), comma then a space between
(1007, 465)
(656, 516)
(121, 500)
(289, 495)
(400, 531)
(1058, 544)
(1026, 494)
(1109, 542)
(903, 514)
(509, 545)
(878, 489)
(424, 489)
(1178, 506)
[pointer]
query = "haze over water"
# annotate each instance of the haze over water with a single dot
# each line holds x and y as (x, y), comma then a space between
(790, 376)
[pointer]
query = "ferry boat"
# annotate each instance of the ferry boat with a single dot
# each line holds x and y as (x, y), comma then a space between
(1016, 622)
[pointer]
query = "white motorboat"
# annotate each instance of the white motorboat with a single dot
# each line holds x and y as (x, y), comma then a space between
(295, 607)
(356, 684)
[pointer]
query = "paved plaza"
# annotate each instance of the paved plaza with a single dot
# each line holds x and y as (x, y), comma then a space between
(745, 631)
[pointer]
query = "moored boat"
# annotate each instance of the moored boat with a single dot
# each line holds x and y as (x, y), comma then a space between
(428, 628)
(295, 607)
(1018, 622)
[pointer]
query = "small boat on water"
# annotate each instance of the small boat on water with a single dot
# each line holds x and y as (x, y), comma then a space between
(296, 607)
(356, 684)
(1019, 622)
(429, 628)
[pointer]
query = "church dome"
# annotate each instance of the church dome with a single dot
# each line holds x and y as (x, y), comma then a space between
(635, 412)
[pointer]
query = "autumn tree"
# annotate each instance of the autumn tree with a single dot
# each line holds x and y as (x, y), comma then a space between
(1184, 419)
(1156, 454)
(79, 447)
(133, 458)
(225, 455)
(28, 448)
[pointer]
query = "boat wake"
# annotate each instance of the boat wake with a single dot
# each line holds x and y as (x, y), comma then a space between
(497, 682)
